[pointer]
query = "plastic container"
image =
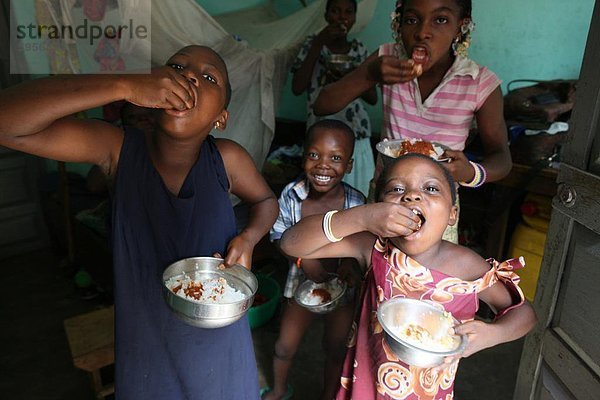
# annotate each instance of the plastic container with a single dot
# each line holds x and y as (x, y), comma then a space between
(529, 243)
(529, 238)
(536, 210)
(261, 314)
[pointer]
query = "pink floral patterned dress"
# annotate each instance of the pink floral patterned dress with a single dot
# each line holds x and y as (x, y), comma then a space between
(371, 370)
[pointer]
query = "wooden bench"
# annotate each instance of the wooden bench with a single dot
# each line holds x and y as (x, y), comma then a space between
(91, 340)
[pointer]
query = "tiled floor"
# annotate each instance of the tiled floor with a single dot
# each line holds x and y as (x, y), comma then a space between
(35, 362)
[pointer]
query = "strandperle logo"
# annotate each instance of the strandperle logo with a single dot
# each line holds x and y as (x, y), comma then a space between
(86, 30)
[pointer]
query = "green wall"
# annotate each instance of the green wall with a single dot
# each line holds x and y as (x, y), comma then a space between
(517, 39)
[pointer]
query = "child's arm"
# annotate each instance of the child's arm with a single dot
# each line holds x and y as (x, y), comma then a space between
(374, 70)
(249, 185)
(337, 95)
(494, 137)
(35, 116)
(492, 131)
(357, 225)
(515, 323)
(370, 96)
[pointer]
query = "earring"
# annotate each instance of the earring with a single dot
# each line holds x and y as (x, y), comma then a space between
(460, 44)
(218, 125)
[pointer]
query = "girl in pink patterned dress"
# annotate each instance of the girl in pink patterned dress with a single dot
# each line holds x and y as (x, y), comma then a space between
(400, 239)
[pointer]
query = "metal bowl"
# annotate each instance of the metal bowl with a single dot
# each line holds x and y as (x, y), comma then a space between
(210, 315)
(302, 295)
(398, 311)
(340, 63)
(389, 150)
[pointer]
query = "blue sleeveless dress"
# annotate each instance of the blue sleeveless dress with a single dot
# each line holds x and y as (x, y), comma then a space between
(157, 355)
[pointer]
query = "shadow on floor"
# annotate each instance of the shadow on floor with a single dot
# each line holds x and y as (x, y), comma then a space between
(35, 361)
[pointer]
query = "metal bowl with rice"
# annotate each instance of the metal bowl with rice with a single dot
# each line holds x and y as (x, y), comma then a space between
(392, 149)
(202, 293)
(418, 332)
(321, 298)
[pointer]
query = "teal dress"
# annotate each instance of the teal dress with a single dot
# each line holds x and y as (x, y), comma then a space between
(157, 356)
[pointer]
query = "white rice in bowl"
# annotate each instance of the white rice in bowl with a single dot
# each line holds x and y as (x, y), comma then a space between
(204, 290)
(324, 294)
(419, 336)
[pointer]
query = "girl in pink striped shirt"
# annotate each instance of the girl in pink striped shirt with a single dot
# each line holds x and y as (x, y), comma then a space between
(431, 89)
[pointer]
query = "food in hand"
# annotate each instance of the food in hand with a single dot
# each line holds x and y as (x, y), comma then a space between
(418, 69)
(204, 290)
(418, 57)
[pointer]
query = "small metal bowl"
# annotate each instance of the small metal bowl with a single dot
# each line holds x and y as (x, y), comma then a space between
(399, 311)
(302, 295)
(389, 150)
(210, 315)
(340, 63)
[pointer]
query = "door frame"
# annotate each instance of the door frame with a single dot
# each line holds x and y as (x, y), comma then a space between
(573, 204)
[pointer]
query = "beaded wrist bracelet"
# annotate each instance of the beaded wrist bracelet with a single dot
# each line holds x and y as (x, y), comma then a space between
(479, 178)
(327, 227)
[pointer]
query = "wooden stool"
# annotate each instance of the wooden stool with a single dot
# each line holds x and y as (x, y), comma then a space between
(91, 339)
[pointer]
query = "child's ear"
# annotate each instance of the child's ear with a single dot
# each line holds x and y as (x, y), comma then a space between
(349, 166)
(221, 122)
(453, 216)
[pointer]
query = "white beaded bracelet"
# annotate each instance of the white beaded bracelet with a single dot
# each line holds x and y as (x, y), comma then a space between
(327, 227)
(479, 178)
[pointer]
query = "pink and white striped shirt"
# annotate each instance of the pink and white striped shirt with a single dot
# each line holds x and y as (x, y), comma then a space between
(446, 116)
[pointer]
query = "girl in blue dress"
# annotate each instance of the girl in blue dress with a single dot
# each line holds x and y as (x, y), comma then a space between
(311, 74)
(170, 201)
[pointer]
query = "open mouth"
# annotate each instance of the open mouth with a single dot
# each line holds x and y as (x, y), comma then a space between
(322, 178)
(419, 55)
(177, 113)
(421, 217)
